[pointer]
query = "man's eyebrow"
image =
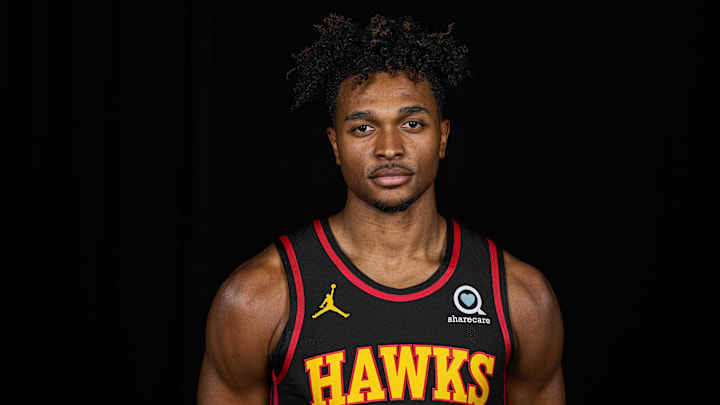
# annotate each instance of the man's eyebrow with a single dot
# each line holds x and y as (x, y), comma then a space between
(363, 114)
(359, 115)
(413, 110)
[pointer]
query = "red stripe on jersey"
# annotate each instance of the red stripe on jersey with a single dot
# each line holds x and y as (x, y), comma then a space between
(494, 265)
(381, 294)
(274, 391)
(300, 313)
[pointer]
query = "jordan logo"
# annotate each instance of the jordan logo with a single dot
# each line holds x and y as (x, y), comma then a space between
(329, 304)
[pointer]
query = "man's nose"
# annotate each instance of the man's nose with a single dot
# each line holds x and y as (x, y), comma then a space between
(389, 144)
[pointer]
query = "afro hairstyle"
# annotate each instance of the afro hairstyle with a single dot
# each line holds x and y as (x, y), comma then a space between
(345, 49)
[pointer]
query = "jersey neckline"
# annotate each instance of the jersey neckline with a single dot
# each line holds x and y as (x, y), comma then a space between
(360, 280)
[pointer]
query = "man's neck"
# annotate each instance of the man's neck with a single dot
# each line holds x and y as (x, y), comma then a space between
(364, 232)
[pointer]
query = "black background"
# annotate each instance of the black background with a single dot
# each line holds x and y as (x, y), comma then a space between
(162, 154)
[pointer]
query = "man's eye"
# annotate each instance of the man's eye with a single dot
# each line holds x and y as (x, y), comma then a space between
(363, 129)
(413, 124)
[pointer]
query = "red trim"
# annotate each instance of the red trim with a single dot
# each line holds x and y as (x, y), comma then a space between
(274, 397)
(300, 313)
(381, 294)
(497, 293)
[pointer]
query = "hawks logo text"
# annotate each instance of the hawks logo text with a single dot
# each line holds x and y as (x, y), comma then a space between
(406, 373)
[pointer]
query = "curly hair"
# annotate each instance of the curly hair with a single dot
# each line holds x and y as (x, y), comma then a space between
(345, 49)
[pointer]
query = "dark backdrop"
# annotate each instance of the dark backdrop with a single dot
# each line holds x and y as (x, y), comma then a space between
(163, 154)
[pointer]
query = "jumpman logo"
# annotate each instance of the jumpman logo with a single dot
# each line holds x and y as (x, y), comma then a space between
(329, 304)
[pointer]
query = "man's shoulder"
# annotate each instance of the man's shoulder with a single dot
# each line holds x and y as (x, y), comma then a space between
(264, 274)
(534, 313)
(538, 333)
(258, 277)
(250, 305)
(245, 321)
(528, 289)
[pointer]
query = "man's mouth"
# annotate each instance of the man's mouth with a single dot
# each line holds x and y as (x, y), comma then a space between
(391, 176)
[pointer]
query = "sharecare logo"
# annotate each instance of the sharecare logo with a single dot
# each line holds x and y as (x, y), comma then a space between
(468, 301)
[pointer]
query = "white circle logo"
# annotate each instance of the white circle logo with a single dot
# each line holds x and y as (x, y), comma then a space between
(467, 300)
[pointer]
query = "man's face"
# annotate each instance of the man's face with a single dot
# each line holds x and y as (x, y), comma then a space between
(388, 139)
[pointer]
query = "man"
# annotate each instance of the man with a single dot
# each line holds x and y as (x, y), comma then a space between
(413, 307)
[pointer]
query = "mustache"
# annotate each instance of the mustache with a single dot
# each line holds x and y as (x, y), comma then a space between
(408, 169)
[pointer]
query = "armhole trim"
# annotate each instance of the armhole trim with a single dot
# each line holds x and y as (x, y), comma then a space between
(500, 292)
(288, 256)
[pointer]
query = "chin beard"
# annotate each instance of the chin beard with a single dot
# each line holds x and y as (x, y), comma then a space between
(391, 209)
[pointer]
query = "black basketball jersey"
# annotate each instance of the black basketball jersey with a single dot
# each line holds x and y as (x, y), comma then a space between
(350, 340)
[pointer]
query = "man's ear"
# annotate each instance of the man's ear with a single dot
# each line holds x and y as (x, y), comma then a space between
(332, 135)
(444, 134)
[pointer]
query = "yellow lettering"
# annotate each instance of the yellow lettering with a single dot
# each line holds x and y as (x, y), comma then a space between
(410, 366)
(405, 366)
(448, 362)
(477, 360)
(333, 379)
(365, 385)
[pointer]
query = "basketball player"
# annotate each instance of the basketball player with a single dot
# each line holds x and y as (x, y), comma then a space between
(386, 300)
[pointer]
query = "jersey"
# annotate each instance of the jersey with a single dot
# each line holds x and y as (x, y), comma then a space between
(350, 340)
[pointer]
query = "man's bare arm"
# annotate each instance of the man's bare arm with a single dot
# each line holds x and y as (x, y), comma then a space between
(244, 325)
(535, 374)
